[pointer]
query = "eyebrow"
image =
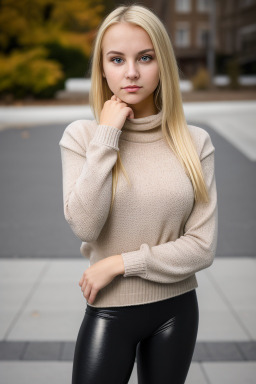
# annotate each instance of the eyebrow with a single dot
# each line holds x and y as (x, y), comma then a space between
(121, 53)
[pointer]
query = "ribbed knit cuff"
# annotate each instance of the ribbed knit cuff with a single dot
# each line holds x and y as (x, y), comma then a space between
(134, 263)
(105, 134)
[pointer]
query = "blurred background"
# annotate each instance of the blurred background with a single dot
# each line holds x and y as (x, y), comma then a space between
(45, 53)
(46, 43)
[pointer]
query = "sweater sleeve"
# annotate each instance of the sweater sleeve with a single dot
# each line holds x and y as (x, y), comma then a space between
(195, 250)
(87, 177)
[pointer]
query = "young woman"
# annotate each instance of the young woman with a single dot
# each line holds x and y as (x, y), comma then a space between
(139, 190)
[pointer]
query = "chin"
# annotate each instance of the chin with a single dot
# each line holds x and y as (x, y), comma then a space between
(130, 97)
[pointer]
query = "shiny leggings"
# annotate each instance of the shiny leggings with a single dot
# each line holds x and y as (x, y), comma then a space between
(161, 336)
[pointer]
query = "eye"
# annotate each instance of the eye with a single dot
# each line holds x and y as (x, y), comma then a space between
(115, 58)
(118, 58)
(149, 57)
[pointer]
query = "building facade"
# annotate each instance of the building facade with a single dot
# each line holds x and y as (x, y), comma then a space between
(200, 28)
(237, 32)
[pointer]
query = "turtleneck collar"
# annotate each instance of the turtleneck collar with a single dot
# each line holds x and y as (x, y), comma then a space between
(144, 129)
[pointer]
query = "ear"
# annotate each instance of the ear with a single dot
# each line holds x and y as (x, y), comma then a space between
(103, 74)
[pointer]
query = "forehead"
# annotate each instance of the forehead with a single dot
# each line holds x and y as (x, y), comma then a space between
(122, 36)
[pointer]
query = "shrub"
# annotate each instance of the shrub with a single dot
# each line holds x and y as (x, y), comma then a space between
(28, 73)
(233, 72)
(201, 80)
(73, 61)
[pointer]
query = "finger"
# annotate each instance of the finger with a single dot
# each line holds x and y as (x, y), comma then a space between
(93, 295)
(83, 286)
(87, 291)
(132, 115)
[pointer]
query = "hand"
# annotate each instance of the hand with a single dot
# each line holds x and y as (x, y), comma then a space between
(115, 112)
(100, 274)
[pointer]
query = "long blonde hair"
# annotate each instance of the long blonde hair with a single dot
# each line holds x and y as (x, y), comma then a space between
(167, 95)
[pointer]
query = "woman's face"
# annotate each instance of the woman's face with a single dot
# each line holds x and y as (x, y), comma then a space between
(130, 67)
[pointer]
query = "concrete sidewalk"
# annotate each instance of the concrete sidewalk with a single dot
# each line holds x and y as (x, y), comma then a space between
(234, 120)
(42, 308)
(41, 304)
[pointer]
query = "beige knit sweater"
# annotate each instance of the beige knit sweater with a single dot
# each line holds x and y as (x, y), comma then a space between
(163, 236)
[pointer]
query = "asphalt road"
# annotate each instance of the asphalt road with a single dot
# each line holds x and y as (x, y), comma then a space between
(31, 207)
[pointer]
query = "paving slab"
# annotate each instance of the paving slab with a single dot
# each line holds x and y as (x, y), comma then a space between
(64, 351)
(234, 121)
(43, 351)
(27, 116)
(237, 284)
(230, 373)
(210, 298)
(28, 270)
(196, 375)
(61, 373)
(248, 318)
(52, 307)
(12, 351)
(222, 351)
(218, 325)
(69, 350)
(18, 280)
(248, 350)
(216, 321)
(35, 372)
(49, 325)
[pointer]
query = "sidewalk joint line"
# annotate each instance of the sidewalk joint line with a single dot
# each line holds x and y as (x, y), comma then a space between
(205, 373)
(26, 300)
(229, 305)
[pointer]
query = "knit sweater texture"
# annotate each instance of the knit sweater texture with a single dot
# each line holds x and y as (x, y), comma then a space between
(163, 235)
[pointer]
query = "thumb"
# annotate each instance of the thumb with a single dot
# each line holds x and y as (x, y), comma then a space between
(131, 114)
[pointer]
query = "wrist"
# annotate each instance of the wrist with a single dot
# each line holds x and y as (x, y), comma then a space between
(118, 265)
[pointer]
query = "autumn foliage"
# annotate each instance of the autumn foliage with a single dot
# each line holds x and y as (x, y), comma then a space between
(42, 42)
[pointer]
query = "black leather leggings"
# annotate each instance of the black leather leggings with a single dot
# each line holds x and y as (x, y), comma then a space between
(160, 335)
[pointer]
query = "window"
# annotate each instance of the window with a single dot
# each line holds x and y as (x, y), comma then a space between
(204, 5)
(246, 39)
(183, 5)
(202, 37)
(228, 41)
(182, 37)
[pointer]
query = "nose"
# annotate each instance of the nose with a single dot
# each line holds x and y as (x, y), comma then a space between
(131, 70)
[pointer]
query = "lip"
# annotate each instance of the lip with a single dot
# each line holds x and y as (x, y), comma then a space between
(132, 89)
(132, 86)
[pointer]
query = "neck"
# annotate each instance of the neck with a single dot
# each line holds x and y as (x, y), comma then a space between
(143, 129)
(138, 113)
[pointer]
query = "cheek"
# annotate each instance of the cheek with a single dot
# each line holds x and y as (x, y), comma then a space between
(111, 72)
(113, 79)
(152, 77)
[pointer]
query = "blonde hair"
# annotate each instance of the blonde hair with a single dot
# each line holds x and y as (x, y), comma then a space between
(167, 95)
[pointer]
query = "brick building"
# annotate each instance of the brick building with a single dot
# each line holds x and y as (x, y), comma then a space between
(191, 23)
(237, 32)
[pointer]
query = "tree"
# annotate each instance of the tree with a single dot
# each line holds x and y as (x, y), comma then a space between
(29, 29)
